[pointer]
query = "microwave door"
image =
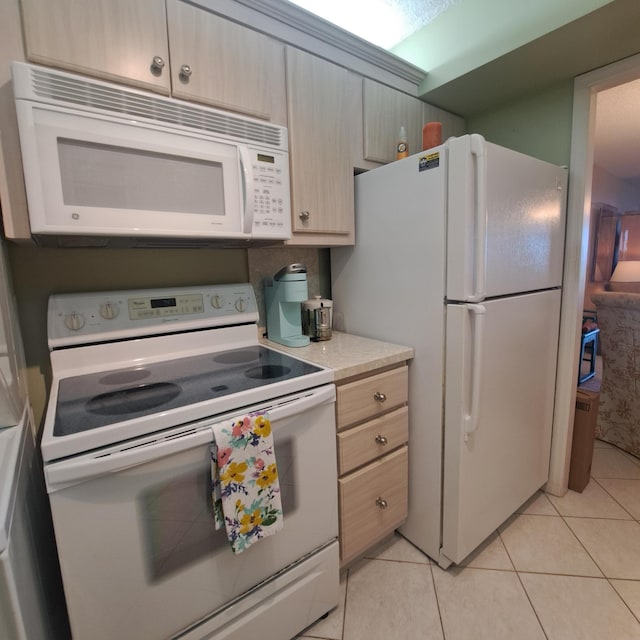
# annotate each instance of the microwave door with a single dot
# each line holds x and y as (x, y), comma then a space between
(97, 175)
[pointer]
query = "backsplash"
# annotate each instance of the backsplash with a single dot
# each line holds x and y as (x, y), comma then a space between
(39, 272)
(267, 262)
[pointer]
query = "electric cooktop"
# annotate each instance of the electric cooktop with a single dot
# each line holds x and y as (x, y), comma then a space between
(99, 399)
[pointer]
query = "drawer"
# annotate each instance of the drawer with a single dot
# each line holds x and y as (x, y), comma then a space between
(371, 397)
(372, 439)
(373, 502)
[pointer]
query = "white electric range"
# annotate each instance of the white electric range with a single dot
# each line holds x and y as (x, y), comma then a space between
(139, 378)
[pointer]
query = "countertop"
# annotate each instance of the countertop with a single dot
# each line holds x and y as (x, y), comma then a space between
(348, 355)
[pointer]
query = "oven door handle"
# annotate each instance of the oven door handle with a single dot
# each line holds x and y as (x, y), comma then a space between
(68, 472)
(63, 474)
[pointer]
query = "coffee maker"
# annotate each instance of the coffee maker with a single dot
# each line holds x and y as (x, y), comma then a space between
(283, 295)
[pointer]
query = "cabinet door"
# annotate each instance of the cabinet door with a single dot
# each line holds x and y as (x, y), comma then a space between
(370, 440)
(321, 114)
(219, 62)
(113, 39)
(385, 111)
(371, 397)
(373, 502)
(452, 125)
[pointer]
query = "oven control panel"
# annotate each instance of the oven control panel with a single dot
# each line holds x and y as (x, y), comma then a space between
(80, 318)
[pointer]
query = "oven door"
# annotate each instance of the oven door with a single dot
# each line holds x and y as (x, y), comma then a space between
(139, 554)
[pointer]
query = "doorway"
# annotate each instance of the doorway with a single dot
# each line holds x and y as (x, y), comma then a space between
(586, 88)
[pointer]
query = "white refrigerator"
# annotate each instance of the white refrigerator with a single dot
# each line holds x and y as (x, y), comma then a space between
(459, 254)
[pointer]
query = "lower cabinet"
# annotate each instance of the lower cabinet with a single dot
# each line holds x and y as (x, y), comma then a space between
(373, 428)
(373, 502)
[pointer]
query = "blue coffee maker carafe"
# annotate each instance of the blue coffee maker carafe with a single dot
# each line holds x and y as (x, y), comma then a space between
(284, 294)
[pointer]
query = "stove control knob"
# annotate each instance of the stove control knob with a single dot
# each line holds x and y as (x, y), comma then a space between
(109, 310)
(74, 321)
(217, 301)
(241, 305)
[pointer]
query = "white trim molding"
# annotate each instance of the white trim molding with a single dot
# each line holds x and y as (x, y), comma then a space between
(586, 87)
(295, 26)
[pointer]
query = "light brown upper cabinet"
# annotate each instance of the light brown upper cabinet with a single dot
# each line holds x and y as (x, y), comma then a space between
(324, 110)
(387, 109)
(224, 64)
(213, 60)
(119, 40)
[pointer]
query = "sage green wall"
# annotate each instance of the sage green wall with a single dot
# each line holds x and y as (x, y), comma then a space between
(38, 272)
(470, 34)
(539, 125)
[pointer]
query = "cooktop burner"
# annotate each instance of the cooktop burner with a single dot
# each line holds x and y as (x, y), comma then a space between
(133, 399)
(267, 371)
(96, 400)
(126, 376)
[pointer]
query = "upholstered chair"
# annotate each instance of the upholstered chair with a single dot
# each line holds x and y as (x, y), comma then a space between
(619, 409)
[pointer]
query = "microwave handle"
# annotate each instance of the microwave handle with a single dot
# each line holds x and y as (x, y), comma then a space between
(247, 181)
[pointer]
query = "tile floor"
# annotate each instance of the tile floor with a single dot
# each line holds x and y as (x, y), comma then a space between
(560, 569)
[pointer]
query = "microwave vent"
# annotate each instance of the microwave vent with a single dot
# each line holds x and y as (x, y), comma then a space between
(70, 89)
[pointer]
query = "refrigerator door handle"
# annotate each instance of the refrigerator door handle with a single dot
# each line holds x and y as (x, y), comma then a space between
(480, 257)
(471, 418)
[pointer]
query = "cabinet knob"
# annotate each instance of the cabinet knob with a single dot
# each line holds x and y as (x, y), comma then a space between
(185, 72)
(381, 503)
(304, 215)
(381, 440)
(379, 397)
(157, 65)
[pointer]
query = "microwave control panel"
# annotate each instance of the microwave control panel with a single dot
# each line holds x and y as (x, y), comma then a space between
(271, 207)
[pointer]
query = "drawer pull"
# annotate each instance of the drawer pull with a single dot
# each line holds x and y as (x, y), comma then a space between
(381, 503)
(380, 397)
(381, 440)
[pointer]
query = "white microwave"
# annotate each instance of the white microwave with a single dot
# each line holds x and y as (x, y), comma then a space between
(104, 164)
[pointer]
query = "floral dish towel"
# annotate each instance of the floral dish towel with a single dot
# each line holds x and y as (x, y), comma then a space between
(246, 492)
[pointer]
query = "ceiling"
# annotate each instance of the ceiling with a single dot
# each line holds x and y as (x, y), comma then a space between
(387, 22)
(561, 54)
(617, 137)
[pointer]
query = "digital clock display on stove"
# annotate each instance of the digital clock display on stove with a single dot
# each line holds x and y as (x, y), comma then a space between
(145, 308)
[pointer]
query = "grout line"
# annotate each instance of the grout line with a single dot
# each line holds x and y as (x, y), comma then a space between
(621, 598)
(613, 497)
(431, 564)
(566, 524)
(526, 593)
(420, 564)
(573, 533)
(435, 593)
(535, 612)
(346, 600)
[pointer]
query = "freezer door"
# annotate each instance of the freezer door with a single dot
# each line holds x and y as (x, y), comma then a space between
(499, 395)
(505, 222)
